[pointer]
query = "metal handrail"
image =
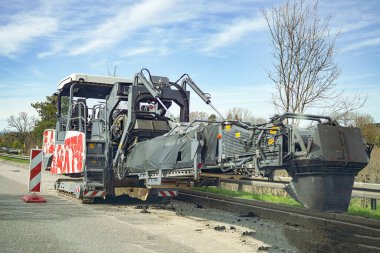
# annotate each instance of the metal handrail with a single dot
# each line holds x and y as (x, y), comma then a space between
(290, 115)
(82, 119)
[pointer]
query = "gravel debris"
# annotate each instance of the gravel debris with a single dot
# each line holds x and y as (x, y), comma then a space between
(263, 248)
(220, 228)
(246, 233)
(249, 214)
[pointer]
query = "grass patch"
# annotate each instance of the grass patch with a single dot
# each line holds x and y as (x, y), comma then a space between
(11, 159)
(246, 195)
(362, 207)
(358, 206)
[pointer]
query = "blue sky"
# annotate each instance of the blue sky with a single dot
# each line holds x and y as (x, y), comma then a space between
(223, 45)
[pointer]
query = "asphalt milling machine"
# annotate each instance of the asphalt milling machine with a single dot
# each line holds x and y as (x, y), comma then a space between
(116, 136)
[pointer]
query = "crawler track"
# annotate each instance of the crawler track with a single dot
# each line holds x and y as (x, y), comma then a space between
(74, 198)
(310, 231)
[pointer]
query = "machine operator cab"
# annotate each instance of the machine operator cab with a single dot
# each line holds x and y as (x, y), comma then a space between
(85, 104)
(81, 103)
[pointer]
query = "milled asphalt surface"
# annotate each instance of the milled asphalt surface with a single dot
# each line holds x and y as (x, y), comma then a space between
(65, 225)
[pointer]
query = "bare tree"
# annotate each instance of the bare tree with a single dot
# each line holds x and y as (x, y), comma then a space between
(198, 115)
(114, 73)
(240, 113)
(21, 125)
(343, 108)
(304, 52)
(245, 115)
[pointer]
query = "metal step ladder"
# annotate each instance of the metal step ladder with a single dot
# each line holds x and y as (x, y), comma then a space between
(94, 176)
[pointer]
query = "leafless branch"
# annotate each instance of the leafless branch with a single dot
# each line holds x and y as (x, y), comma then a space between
(305, 71)
(114, 73)
(21, 125)
(245, 115)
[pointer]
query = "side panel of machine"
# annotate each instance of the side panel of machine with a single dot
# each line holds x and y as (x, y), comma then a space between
(48, 141)
(163, 153)
(69, 157)
(342, 144)
(231, 141)
(48, 148)
(355, 145)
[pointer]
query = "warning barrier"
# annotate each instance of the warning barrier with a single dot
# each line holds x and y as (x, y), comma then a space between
(167, 193)
(34, 185)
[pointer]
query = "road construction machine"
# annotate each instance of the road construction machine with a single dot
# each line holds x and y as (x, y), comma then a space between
(117, 136)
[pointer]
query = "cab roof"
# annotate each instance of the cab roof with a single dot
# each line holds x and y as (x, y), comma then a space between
(89, 86)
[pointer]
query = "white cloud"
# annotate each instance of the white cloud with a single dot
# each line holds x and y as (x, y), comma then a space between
(137, 51)
(55, 48)
(130, 24)
(358, 23)
(355, 25)
(233, 32)
(23, 29)
(128, 20)
(363, 43)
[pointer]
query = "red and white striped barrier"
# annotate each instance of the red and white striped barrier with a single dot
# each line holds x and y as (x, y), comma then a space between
(34, 185)
(167, 193)
(93, 194)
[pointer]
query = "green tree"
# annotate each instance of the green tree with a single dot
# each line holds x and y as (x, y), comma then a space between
(8, 138)
(369, 129)
(16, 144)
(212, 117)
(47, 115)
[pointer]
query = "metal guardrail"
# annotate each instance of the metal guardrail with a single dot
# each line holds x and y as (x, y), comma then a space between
(363, 190)
(360, 190)
(21, 157)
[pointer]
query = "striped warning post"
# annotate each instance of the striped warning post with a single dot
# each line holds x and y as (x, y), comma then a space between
(34, 185)
(93, 194)
(167, 193)
(35, 170)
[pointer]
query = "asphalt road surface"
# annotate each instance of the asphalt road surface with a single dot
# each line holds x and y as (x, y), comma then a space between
(64, 225)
